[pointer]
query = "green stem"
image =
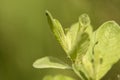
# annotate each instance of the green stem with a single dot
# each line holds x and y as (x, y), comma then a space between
(74, 69)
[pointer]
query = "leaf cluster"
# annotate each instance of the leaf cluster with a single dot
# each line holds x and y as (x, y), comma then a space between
(92, 53)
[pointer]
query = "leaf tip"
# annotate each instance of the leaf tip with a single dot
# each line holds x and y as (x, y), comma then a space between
(84, 20)
(47, 12)
(34, 65)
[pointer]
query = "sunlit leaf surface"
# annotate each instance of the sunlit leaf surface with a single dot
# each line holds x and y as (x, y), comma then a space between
(50, 62)
(107, 51)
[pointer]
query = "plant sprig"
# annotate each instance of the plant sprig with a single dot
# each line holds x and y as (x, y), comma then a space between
(92, 53)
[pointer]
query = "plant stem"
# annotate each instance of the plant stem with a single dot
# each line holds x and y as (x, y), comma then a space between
(74, 69)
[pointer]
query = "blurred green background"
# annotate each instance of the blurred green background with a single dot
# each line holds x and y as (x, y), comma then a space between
(25, 34)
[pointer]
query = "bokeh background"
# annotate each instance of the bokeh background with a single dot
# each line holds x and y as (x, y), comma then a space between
(25, 34)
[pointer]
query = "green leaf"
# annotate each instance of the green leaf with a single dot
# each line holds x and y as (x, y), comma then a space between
(50, 62)
(57, 77)
(79, 36)
(58, 31)
(107, 51)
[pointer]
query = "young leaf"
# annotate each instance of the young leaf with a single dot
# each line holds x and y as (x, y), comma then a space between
(50, 62)
(58, 31)
(107, 51)
(57, 77)
(78, 36)
(71, 37)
